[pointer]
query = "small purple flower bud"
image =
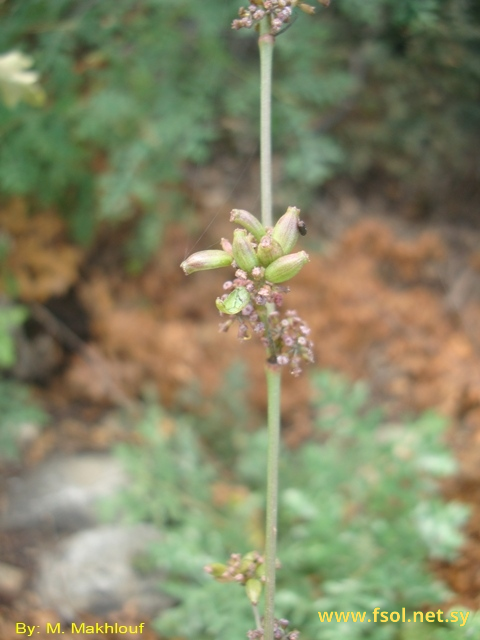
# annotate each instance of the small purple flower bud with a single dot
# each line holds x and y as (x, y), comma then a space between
(205, 260)
(286, 230)
(228, 285)
(282, 360)
(264, 291)
(249, 222)
(242, 333)
(258, 273)
(259, 327)
(276, 25)
(286, 267)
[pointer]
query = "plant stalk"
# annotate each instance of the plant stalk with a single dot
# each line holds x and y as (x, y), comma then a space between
(273, 390)
(265, 44)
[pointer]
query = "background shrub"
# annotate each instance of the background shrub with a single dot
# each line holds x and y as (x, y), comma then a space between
(360, 517)
(138, 90)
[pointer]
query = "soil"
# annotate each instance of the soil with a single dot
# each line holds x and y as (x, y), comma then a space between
(391, 298)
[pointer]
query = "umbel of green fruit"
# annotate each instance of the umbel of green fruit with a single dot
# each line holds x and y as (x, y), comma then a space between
(261, 253)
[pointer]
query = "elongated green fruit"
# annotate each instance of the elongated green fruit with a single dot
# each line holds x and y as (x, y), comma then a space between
(286, 267)
(248, 222)
(243, 251)
(253, 588)
(286, 230)
(204, 260)
(217, 570)
(268, 250)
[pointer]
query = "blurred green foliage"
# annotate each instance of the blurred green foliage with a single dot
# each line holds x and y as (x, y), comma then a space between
(17, 409)
(138, 89)
(360, 518)
(11, 316)
(16, 404)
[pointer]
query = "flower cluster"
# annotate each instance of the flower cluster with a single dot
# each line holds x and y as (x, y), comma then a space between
(280, 632)
(239, 568)
(263, 261)
(247, 570)
(279, 11)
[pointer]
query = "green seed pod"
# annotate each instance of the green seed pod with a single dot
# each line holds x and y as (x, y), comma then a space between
(286, 230)
(217, 570)
(269, 250)
(286, 267)
(204, 260)
(253, 587)
(260, 571)
(234, 302)
(249, 222)
(247, 560)
(243, 251)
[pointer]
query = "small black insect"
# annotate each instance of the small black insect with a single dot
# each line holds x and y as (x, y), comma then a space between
(302, 228)
(272, 360)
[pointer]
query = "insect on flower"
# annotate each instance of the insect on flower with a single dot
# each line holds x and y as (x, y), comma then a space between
(302, 228)
(235, 302)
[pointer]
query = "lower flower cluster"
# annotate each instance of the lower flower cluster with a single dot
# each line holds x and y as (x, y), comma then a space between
(280, 632)
(285, 336)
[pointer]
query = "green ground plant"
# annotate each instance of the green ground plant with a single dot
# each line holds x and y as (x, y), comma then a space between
(16, 404)
(361, 518)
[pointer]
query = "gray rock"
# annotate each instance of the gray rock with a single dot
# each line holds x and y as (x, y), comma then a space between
(61, 493)
(11, 581)
(91, 572)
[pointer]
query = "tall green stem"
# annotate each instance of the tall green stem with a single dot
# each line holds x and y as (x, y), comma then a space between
(273, 390)
(266, 42)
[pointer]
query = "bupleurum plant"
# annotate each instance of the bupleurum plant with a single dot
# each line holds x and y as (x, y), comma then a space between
(263, 260)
